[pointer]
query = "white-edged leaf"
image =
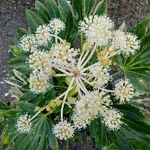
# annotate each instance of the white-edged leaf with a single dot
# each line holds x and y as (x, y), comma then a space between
(20, 76)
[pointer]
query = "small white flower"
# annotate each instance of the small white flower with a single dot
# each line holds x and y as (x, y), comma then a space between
(123, 91)
(63, 130)
(28, 43)
(40, 61)
(63, 55)
(56, 25)
(97, 29)
(24, 124)
(132, 44)
(101, 75)
(126, 43)
(80, 121)
(43, 35)
(91, 104)
(112, 119)
(39, 82)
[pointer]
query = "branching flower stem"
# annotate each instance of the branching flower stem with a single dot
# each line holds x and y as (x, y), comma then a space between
(86, 81)
(83, 86)
(79, 61)
(64, 99)
(64, 71)
(89, 57)
(84, 57)
(56, 37)
(79, 91)
(38, 113)
(85, 69)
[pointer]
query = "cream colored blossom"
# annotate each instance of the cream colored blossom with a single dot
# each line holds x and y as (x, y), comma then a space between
(24, 124)
(123, 91)
(63, 130)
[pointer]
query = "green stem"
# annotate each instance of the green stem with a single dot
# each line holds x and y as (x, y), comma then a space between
(109, 146)
(67, 144)
(116, 73)
(81, 40)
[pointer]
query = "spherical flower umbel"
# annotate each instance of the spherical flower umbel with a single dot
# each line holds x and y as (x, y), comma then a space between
(40, 61)
(100, 74)
(63, 130)
(126, 43)
(43, 35)
(80, 121)
(112, 119)
(97, 29)
(28, 43)
(39, 82)
(90, 106)
(24, 124)
(56, 25)
(63, 55)
(123, 91)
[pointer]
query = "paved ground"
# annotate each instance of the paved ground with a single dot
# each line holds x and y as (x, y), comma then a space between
(12, 17)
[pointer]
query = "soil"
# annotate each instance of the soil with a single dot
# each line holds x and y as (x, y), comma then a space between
(12, 17)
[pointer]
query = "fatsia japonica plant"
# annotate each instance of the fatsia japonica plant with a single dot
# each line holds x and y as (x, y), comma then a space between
(75, 75)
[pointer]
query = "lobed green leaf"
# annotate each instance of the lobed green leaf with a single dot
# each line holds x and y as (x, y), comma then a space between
(52, 9)
(34, 21)
(101, 8)
(42, 11)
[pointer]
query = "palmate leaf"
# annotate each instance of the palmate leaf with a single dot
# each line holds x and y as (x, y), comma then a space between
(135, 127)
(39, 138)
(120, 141)
(87, 7)
(53, 9)
(42, 11)
(137, 67)
(39, 99)
(64, 8)
(98, 132)
(34, 21)
(101, 8)
(141, 29)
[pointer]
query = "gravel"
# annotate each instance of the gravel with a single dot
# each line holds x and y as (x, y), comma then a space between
(12, 17)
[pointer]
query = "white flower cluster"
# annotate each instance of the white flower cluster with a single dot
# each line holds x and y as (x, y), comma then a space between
(90, 106)
(43, 35)
(24, 124)
(56, 25)
(89, 78)
(112, 119)
(39, 82)
(101, 75)
(124, 91)
(63, 130)
(127, 43)
(99, 30)
(63, 54)
(28, 43)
